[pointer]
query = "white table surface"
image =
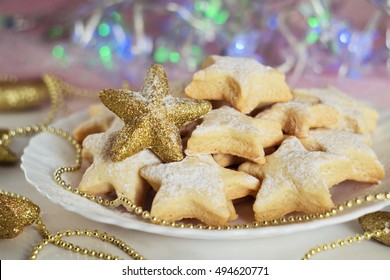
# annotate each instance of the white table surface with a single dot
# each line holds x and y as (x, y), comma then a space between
(152, 246)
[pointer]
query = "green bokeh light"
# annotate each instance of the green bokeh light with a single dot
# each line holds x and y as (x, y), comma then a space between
(56, 31)
(221, 17)
(105, 53)
(174, 57)
(313, 22)
(58, 51)
(116, 16)
(161, 55)
(213, 8)
(104, 29)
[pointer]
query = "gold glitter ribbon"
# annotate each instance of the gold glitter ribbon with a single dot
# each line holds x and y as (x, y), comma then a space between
(21, 95)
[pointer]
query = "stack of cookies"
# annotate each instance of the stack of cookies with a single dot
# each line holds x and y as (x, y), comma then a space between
(237, 133)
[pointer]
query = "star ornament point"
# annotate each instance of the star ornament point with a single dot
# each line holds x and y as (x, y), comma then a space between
(152, 117)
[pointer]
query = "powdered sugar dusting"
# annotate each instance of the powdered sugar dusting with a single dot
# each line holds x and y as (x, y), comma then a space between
(356, 116)
(240, 68)
(340, 142)
(228, 118)
(195, 176)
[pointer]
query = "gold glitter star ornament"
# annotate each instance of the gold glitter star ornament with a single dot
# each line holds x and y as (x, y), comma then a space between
(15, 213)
(152, 117)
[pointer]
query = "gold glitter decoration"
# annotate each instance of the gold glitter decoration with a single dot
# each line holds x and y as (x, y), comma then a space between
(377, 221)
(15, 213)
(21, 95)
(7, 157)
(152, 117)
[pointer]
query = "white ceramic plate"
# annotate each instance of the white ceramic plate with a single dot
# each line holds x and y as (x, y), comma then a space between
(46, 152)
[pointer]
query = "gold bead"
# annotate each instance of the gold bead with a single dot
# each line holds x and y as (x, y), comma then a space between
(380, 196)
(349, 204)
(291, 219)
(367, 235)
(340, 243)
(138, 210)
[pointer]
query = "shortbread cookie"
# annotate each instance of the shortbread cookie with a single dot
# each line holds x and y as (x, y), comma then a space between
(104, 175)
(301, 114)
(354, 115)
(152, 117)
(363, 165)
(295, 179)
(227, 131)
(99, 120)
(197, 187)
(243, 82)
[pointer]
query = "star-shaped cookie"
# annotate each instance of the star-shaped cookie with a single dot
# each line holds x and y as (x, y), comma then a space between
(353, 115)
(242, 82)
(295, 179)
(104, 175)
(152, 117)
(301, 114)
(363, 165)
(7, 157)
(227, 131)
(197, 187)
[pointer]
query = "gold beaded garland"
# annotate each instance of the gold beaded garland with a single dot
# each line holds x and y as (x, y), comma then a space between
(347, 241)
